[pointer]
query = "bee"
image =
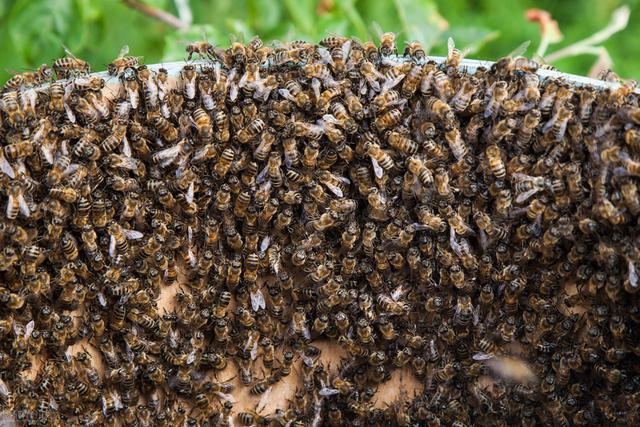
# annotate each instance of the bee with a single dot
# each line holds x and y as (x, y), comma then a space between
(454, 55)
(188, 77)
(494, 160)
(388, 45)
(294, 92)
(29, 78)
(353, 104)
(415, 51)
(557, 124)
(462, 98)
(166, 129)
(202, 48)
(401, 142)
(122, 62)
(11, 107)
(16, 202)
(494, 98)
(251, 131)
(70, 66)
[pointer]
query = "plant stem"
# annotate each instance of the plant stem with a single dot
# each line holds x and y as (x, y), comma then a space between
(295, 11)
(354, 17)
(157, 14)
(618, 22)
(184, 11)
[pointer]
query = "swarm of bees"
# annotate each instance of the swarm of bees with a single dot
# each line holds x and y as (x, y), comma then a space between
(479, 231)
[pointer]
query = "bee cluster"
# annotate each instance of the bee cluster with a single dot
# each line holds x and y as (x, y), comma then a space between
(459, 227)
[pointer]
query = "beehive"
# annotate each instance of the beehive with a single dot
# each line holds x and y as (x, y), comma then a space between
(471, 227)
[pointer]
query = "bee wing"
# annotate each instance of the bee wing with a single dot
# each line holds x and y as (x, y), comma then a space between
(476, 315)
(168, 155)
(390, 83)
(224, 396)
(68, 52)
(334, 189)
(4, 390)
(126, 147)
(481, 356)
(254, 350)
(286, 94)
(10, 202)
(377, 169)
(520, 50)
(191, 357)
(455, 246)
(451, 45)
(419, 227)
(6, 167)
(24, 206)
(346, 49)
(262, 175)
(29, 97)
(133, 97)
(330, 118)
(257, 300)
(397, 293)
(523, 197)
(373, 83)
(325, 55)
(133, 234)
(327, 391)
(264, 245)
(233, 92)
(128, 163)
(190, 234)
(124, 50)
(305, 332)
(70, 114)
(102, 300)
(633, 274)
(315, 86)
(112, 246)
(18, 329)
(29, 329)
(173, 338)
(129, 351)
(190, 192)
(192, 258)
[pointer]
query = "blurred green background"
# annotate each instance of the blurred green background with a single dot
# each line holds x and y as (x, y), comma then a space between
(33, 32)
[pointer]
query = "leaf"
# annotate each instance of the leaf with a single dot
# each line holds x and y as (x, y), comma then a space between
(266, 14)
(420, 21)
(36, 28)
(302, 14)
(472, 39)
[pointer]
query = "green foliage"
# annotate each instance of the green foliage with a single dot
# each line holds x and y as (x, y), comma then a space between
(33, 32)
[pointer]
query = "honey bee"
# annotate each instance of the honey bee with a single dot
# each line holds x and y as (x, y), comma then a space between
(462, 98)
(388, 44)
(250, 131)
(16, 202)
(494, 160)
(122, 62)
(11, 107)
(387, 120)
(29, 78)
(454, 55)
(202, 48)
(415, 51)
(70, 66)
